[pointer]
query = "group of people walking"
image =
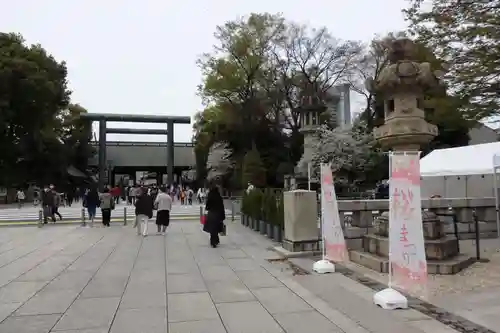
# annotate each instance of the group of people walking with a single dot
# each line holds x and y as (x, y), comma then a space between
(145, 204)
(51, 200)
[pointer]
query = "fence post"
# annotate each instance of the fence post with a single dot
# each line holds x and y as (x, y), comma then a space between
(478, 247)
(40, 218)
(455, 226)
(84, 223)
(125, 215)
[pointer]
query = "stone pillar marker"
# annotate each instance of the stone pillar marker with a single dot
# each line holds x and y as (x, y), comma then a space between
(403, 85)
(301, 224)
(311, 110)
(301, 206)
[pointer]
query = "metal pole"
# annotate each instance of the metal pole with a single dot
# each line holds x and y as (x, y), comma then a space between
(232, 210)
(124, 215)
(83, 218)
(40, 218)
(476, 225)
(455, 227)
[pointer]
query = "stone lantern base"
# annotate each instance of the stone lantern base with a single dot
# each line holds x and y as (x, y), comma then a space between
(441, 250)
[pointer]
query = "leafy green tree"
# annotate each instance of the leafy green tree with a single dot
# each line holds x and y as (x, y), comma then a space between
(254, 171)
(41, 131)
(465, 34)
(254, 83)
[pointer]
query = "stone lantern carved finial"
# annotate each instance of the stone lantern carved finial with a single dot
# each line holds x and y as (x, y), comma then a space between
(404, 72)
(401, 49)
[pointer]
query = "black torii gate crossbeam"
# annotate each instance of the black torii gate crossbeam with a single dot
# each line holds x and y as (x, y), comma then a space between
(136, 131)
(103, 118)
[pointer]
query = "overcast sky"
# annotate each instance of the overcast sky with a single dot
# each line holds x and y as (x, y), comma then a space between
(138, 57)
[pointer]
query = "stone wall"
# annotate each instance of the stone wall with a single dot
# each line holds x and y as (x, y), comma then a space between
(358, 216)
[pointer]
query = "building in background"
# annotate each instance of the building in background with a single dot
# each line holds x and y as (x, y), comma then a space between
(340, 106)
(143, 162)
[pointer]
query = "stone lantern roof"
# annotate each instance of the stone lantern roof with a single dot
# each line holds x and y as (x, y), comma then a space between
(405, 73)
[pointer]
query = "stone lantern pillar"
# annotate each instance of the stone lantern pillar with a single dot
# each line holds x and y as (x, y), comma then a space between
(300, 206)
(402, 85)
(311, 110)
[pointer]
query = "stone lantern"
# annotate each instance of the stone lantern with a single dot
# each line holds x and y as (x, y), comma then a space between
(402, 85)
(311, 110)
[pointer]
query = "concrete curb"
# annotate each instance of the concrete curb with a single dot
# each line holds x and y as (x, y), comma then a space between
(74, 222)
(118, 221)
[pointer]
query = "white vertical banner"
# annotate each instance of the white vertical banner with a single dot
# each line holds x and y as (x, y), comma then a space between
(406, 238)
(334, 246)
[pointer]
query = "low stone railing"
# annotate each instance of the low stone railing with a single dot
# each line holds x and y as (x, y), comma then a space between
(358, 216)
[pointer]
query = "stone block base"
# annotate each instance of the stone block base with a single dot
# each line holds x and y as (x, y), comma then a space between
(443, 267)
(435, 249)
(288, 254)
(301, 246)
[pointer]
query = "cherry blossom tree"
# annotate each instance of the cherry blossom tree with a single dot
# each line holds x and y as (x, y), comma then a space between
(350, 152)
(219, 161)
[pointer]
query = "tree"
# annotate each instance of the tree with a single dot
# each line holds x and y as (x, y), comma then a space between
(219, 161)
(41, 133)
(370, 65)
(253, 169)
(350, 153)
(205, 133)
(465, 34)
(75, 133)
(254, 83)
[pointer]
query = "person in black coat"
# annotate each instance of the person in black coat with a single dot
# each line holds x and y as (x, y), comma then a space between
(91, 201)
(143, 212)
(214, 222)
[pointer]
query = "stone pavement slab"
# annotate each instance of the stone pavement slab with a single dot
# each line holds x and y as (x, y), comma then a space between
(69, 279)
(481, 307)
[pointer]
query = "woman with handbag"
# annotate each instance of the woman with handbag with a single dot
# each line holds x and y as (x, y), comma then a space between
(214, 222)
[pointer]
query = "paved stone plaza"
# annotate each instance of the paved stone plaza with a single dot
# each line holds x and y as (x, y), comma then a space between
(94, 280)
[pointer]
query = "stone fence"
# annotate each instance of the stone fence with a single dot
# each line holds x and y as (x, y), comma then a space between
(359, 216)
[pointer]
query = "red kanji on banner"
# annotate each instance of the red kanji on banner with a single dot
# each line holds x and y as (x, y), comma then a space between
(403, 234)
(402, 202)
(327, 179)
(407, 200)
(395, 201)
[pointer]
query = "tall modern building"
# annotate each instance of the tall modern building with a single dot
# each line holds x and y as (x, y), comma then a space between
(340, 106)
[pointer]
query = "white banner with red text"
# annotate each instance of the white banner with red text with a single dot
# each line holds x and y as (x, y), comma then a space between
(335, 248)
(406, 238)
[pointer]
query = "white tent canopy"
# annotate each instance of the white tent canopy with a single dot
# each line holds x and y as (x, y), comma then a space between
(460, 161)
